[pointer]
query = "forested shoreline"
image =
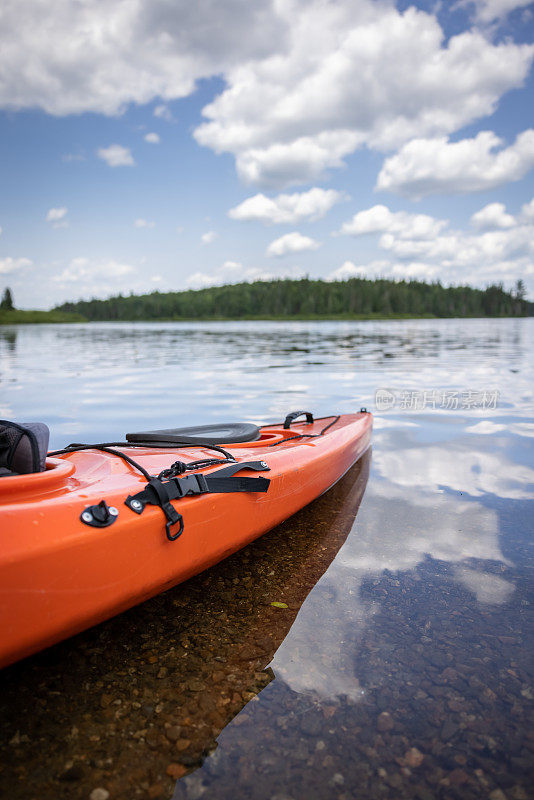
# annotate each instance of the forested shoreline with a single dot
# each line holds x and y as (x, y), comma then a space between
(357, 298)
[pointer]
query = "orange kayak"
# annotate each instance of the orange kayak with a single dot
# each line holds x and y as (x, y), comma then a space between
(104, 528)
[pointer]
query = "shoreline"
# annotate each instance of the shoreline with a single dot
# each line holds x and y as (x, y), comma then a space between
(29, 317)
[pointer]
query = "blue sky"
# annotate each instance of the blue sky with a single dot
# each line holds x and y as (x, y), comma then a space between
(323, 137)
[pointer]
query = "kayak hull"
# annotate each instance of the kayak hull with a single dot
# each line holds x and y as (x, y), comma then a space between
(59, 576)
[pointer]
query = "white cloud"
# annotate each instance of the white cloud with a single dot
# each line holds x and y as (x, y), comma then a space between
(487, 11)
(56, 216)
(235, 272)
(163, 112)
(0, 230)
(307, 81)
(9, 264)
(465, 251)
(125, 52)
(437, 166)
(527, 212)
(346, 270)
(232, 266)
(152, 138)
(501, 250)
(143, 223)
(287, 208)
(301, 161)
(352, 76)
(101, 278)
(293, 242)
(69, 157)
(116, 155)
(416, 270)
(493, 216)
(377, 268)
(384, 268)
(88, 272)
(201, 280)
(229, 272)
(209, 237)
(380, 219)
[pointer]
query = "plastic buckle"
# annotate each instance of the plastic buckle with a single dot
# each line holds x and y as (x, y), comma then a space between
(191, 484)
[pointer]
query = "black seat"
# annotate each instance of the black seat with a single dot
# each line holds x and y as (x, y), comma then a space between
(220, 433)
(23, 447)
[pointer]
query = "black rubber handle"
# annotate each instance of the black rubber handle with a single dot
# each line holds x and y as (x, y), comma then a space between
(293, 416)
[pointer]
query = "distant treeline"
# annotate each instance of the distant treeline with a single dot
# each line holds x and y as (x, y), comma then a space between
(311, 299)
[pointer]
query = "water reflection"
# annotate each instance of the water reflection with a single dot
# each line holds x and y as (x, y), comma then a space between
(99, 379)
(8, 349)
(164, 679)
(433, 501)
(447, 531)
(488, 589)
(404, 674)
(8, 338)
(400, 667)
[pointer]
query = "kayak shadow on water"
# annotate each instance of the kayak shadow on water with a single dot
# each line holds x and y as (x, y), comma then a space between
(139, 701)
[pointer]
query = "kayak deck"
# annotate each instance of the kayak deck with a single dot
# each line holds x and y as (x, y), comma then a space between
(59, 576)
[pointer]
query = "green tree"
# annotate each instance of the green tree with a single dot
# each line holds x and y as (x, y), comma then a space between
(312, 298)
(520, 290)
(6, 304)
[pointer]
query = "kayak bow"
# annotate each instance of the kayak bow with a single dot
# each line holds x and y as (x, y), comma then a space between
(90, 536)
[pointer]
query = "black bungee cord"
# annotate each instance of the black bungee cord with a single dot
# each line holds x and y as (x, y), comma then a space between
(177, 468)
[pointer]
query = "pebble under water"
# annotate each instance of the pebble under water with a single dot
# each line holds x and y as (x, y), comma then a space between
(396, 661)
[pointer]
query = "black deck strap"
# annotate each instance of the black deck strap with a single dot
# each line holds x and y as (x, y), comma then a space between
(231, 469)
(293, 416)
(160, 493)
(163, 500)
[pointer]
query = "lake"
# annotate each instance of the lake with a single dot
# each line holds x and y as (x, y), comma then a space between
(402, 665)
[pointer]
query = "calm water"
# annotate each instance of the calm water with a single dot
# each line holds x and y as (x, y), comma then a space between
(402, 666)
